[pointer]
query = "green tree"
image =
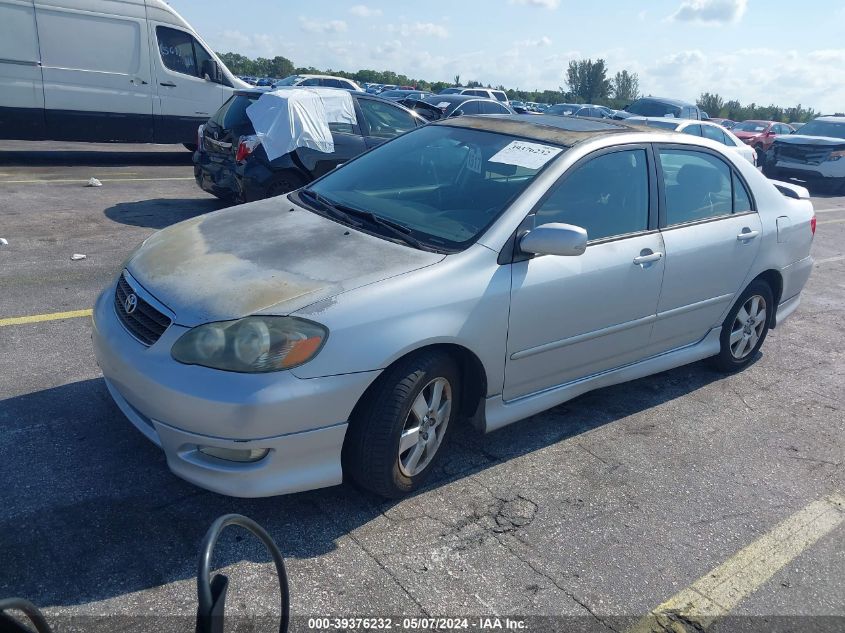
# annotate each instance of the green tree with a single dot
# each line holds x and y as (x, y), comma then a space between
(457, 80)
(711, 103)
(626, 86)
(587, 80)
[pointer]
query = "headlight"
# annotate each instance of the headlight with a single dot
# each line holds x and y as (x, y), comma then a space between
(253, 344)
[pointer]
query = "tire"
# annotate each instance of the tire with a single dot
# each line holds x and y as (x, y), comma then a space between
(191, 147)
(761, 155)
(371, 453)
(283, 183)
(747, 332)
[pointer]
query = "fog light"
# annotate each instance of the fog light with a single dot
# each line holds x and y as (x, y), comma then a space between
(245, 455)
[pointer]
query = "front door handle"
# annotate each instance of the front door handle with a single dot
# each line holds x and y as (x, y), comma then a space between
(747, 234)
(647, 257)
(168, 84)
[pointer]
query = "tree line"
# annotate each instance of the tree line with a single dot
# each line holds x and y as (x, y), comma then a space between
(587, 81)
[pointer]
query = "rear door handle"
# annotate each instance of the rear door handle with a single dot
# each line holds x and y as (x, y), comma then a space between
(747, 235)
(168, 84)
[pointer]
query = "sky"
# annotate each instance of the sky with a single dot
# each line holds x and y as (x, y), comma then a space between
(761, 51)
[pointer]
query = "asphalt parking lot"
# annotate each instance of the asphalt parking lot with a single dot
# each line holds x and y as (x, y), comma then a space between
(598, 511)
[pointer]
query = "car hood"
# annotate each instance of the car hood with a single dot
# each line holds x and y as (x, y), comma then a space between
(743, 134)
(270, 257)
(801, 139)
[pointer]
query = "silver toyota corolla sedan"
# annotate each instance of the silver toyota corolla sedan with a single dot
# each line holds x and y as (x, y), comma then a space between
(478, 270)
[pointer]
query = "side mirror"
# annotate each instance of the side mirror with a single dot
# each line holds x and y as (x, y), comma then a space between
(211, 71)
(560, 239)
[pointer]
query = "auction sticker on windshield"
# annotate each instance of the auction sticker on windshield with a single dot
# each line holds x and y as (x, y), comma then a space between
(525, 154)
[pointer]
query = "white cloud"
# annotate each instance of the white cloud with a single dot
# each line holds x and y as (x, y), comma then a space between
(761, 75)
(536, 43)
(711, 11)
(546, 4)
(327, 26)
(425, 29)
(363, 11)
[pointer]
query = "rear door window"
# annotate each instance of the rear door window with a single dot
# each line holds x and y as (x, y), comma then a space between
(714, 133)
(491, 107)
(384, 119)
(467, 107)
(697, 185)
(694, 130)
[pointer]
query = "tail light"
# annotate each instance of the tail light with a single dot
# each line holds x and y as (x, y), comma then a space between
(246, 145)
(200, 131)
(813, 225)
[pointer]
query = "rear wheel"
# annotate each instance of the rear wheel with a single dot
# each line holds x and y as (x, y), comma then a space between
(191, 147)
(761, 155)
(397, 433)
(745, 328)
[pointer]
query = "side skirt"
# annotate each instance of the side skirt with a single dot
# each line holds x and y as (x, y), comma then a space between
(499, 413)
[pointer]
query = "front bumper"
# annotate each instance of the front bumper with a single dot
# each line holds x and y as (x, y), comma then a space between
(808, 171)
(182, 407)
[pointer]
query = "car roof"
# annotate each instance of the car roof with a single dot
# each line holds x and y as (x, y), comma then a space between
(832, 118)
(566, 131)
(454, 98)
(668, 100)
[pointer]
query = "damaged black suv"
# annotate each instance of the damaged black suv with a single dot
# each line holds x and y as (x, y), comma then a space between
(231, 163)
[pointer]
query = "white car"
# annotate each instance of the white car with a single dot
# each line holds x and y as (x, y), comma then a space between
(311, 81)
(706, 129)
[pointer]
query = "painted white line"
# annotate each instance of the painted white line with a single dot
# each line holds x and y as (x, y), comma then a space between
(45, 181)
(837, 221)
(830, 210)
(716, 593)
(827, 260)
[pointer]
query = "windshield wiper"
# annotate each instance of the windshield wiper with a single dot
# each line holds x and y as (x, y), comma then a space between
(330, 206)
(345, 213)
(395, 228)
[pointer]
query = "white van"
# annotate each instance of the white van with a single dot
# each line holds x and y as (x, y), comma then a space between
(105, 70)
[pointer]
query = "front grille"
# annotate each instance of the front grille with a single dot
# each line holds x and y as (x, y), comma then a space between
(145, 323)
(809, 154)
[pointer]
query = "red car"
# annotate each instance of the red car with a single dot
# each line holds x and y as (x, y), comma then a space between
(760, 135)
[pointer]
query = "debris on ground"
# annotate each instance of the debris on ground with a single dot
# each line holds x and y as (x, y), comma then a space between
(4, 241)
(93, 182)
(77, 257)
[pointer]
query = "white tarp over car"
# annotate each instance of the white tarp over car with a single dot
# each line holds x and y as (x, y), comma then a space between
(287, 118)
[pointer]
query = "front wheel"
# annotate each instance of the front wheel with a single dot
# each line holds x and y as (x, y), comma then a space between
(745, 328)
(397, 433)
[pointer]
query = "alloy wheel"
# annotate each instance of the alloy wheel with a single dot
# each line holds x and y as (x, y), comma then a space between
(425, 427)
(748, 326)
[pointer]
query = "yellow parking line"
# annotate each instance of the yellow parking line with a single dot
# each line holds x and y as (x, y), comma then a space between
(37, 318)
(719, 591)
(837, 221)
(66, 180)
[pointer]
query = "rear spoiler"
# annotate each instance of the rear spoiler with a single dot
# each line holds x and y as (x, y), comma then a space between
(791, 191)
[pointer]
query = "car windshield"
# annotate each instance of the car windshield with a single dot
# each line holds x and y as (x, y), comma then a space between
(288, 81)
(445, 184)
(561, 108)
(647, 107)
(833, 129)
(750, 126)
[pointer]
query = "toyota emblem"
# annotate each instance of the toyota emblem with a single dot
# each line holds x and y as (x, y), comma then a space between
(130, 304)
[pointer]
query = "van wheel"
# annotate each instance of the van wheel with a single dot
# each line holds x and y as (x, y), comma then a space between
(283, 183)
(398, 432)
(745, 328)
(191, 147)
